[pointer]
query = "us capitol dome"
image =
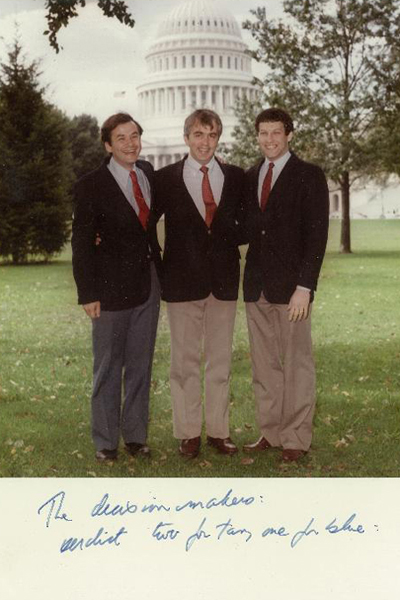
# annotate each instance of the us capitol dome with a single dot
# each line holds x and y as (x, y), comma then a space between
(198, 60)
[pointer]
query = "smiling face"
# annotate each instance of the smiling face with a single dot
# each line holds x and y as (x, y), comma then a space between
(202, 141)
(273, 140)
(125, 145)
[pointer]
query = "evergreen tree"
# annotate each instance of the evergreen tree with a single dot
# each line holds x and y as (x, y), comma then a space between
(86, 147)
(35, 170)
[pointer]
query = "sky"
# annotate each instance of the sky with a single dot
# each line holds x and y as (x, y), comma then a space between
(100, 57)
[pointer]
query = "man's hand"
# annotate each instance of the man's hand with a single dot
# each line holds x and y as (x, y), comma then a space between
(92, 309)
(299, 305)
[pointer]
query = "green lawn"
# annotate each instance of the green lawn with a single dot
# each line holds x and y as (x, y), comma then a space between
(45, 376)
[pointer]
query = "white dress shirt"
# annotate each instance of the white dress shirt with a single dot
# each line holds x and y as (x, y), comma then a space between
(276, 171)
(193, 179)
(122, 177)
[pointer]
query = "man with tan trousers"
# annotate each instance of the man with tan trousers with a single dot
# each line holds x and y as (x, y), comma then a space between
(201, 200)
(287, 211)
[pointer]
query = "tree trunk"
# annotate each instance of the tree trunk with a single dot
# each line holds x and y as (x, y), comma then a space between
(345, 245)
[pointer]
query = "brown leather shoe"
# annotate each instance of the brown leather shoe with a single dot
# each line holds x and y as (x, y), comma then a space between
(258, 446)
(223, 445)
(190, 448)
(291, 455)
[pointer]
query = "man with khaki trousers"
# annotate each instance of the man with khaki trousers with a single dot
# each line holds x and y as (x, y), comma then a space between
(287, 212)
(201, 200)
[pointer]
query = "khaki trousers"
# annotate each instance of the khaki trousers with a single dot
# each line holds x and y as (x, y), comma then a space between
(283, 374)
(204, 323)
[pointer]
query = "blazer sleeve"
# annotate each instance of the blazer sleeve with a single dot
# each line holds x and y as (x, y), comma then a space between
(315, 224)
(83, 242)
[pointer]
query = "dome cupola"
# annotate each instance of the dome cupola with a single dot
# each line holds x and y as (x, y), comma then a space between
(197, 60)
(199, 16)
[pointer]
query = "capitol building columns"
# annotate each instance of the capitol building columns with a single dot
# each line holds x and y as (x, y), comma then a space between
(172, 100)
(220, 104)
(198, 59)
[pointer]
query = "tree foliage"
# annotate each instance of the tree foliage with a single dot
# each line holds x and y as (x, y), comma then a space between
(322, 61)
(34, 167)
(244, 151)
(386, 136)
(86, 147)
(60, 12)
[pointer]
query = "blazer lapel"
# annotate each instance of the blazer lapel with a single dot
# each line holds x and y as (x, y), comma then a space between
(114, 192)
(224, 195)
(188, 198)
(281, 183)
(149, 174)
(253, 192)
(225, 172)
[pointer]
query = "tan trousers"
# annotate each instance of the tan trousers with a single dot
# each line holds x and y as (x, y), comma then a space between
(207, 322)
(283, 374)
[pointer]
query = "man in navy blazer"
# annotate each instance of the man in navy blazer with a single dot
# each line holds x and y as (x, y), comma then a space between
(118, 285)
(201, 200)
(287, 215)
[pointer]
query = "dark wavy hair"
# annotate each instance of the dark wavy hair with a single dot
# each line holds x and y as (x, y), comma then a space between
(112, 122)
(274, 115)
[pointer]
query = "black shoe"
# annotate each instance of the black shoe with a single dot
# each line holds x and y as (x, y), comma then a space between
(106, 455)
(134, 449)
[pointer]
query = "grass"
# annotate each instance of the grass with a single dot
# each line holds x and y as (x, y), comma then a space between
(46, 363)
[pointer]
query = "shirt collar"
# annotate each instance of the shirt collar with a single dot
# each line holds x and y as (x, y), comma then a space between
(193, 164)
(279, 161)
(119, 171)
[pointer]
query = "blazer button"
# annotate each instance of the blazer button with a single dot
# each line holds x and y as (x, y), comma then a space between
(209, 232)
(263, 232)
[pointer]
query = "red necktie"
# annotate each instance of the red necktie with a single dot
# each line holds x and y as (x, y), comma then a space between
(208, 197)
(141, 202)
(266, 187)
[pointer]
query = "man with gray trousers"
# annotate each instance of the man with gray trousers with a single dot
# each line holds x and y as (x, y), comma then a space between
(118, 286)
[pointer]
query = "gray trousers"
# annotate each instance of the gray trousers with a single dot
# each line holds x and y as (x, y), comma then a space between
(123, 348)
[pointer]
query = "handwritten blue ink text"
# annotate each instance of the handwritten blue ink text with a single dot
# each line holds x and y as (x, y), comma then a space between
(54, 506)
(72, 544)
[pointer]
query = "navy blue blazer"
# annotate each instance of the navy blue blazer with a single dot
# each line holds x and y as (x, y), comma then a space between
(116, 272)
(287, 241)
(198, 260)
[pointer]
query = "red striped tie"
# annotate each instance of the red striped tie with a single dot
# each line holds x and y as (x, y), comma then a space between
(208, 197)
(141, 202)
(266, 187)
